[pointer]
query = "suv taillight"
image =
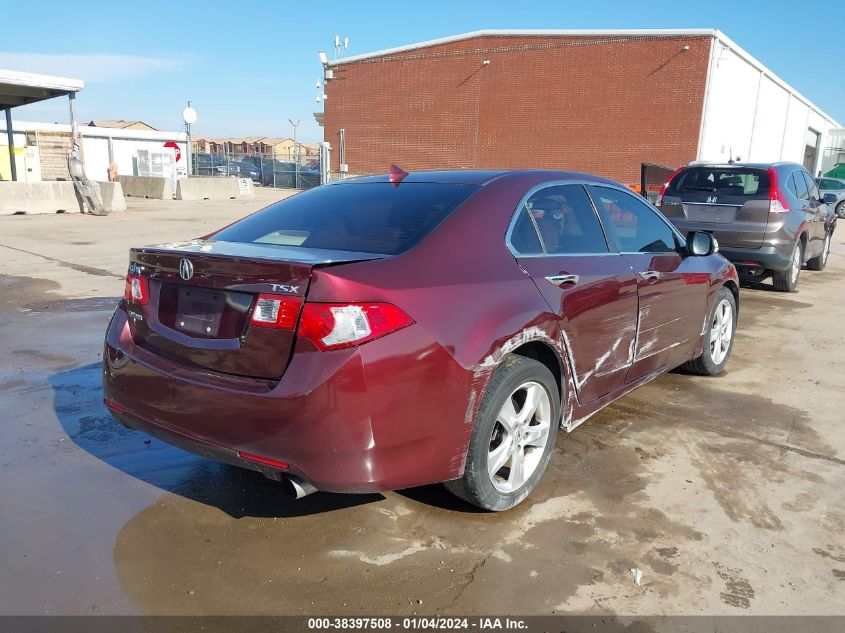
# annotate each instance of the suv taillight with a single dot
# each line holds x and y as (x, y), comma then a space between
(663, 187)
(777, 202)
(276, 312)
(137, 289)
(337, 325)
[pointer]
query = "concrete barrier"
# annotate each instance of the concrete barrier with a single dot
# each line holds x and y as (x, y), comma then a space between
(112, 195)
(38, 197)
(213, 188)
(146, 187)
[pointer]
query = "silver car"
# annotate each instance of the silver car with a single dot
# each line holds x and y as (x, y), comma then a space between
(836, 186)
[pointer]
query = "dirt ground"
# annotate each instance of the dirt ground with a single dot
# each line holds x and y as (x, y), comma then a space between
(727, 493)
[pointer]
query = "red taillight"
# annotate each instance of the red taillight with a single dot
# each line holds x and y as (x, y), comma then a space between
(276, 312)
(337, 325)
(777, 202)
(137, 289)
(262, 460)
(664, 186)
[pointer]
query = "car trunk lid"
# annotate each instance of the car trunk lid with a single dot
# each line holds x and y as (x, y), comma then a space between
(202, 294)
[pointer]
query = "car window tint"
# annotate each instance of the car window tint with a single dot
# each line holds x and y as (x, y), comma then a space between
(799, 186)
(699, 183)
(565, 219)
(364, 217)
(524, 238)
(636, 226)
(811, 186)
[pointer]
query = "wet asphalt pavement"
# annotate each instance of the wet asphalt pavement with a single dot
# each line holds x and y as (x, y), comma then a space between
(728, 494)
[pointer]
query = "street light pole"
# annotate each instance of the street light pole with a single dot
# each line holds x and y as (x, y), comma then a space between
(189, 116)
(295, 154)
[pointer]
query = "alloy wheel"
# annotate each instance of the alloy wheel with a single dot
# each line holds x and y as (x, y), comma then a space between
(721, 331)
(796, 264)
(826, 248)
(519, 437)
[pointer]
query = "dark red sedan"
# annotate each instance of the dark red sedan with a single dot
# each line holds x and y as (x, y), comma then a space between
(392, 331)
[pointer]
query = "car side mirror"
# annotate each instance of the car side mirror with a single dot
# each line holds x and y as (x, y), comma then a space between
(700, 243)
(829, 198)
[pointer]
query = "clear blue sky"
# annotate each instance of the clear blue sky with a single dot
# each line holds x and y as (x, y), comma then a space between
(249, 66)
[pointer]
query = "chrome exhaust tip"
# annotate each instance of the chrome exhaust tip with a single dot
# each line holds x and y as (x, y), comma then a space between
(297, 487)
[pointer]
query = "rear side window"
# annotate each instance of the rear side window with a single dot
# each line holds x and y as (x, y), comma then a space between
(558, 220)
(702, 182)
(366, 217)
(636, 227)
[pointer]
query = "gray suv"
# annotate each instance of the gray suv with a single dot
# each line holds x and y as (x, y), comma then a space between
(769, 218)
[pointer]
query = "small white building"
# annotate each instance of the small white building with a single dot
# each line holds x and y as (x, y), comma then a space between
(42, 148)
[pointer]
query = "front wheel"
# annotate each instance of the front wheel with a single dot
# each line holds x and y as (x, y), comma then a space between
(840, 209)
(720, 337)
(513, 436)
(787, 280)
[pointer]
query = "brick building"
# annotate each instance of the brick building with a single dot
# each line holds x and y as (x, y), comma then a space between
(596, 101)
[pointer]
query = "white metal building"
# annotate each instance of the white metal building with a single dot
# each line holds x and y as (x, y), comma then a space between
(752, 114)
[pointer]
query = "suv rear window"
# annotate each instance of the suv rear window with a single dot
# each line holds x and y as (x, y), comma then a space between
(723, 182)
(366, 217)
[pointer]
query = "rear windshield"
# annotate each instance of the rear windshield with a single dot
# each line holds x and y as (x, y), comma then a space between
(367, 217)
(731, 182)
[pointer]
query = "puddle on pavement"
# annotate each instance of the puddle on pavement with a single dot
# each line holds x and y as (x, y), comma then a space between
(587, 524)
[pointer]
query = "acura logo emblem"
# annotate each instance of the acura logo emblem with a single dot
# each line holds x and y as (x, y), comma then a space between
(186, 269)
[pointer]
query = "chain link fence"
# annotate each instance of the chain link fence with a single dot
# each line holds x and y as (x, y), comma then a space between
(301, 172)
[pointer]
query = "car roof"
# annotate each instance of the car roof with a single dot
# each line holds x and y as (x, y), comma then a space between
(480, 177)
(742, 165)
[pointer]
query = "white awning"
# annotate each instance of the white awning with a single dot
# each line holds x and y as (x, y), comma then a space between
(20, 88)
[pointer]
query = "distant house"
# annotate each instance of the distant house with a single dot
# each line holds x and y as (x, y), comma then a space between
(279, 148)
(121, 124)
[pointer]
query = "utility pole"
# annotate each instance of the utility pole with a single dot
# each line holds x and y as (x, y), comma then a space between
(295, 154)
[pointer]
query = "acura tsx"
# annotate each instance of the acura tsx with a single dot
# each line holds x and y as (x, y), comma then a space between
(391, 331)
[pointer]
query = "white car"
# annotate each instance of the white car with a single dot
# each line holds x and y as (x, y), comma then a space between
(836, 186)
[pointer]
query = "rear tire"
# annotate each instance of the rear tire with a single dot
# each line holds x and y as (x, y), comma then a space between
(819, 262)
(719, 339)
(787, 280)
(513, 436)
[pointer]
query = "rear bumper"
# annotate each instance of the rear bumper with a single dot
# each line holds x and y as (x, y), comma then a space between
(357, 420)
(763, 258)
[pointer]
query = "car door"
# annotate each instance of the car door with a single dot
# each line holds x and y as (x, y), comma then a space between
(818, 212)
(672, 289)
(557, 239)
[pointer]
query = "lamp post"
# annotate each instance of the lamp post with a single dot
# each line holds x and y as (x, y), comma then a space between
(189, 116)
(295, 154)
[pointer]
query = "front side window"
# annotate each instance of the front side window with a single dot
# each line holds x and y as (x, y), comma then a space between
(364, 217)
(798, 186)
(636, 227)
(558, 220)
(811, 186)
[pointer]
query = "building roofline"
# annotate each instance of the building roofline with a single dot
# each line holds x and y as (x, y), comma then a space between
(529, 32)
(88, 131)
(706, 32)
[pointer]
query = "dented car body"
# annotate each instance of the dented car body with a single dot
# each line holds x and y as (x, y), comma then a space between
(350, 353)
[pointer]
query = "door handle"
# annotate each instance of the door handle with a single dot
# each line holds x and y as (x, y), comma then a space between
(649, 275)
(563, 280)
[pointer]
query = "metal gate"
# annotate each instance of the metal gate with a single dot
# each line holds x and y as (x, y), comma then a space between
(652, 177)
